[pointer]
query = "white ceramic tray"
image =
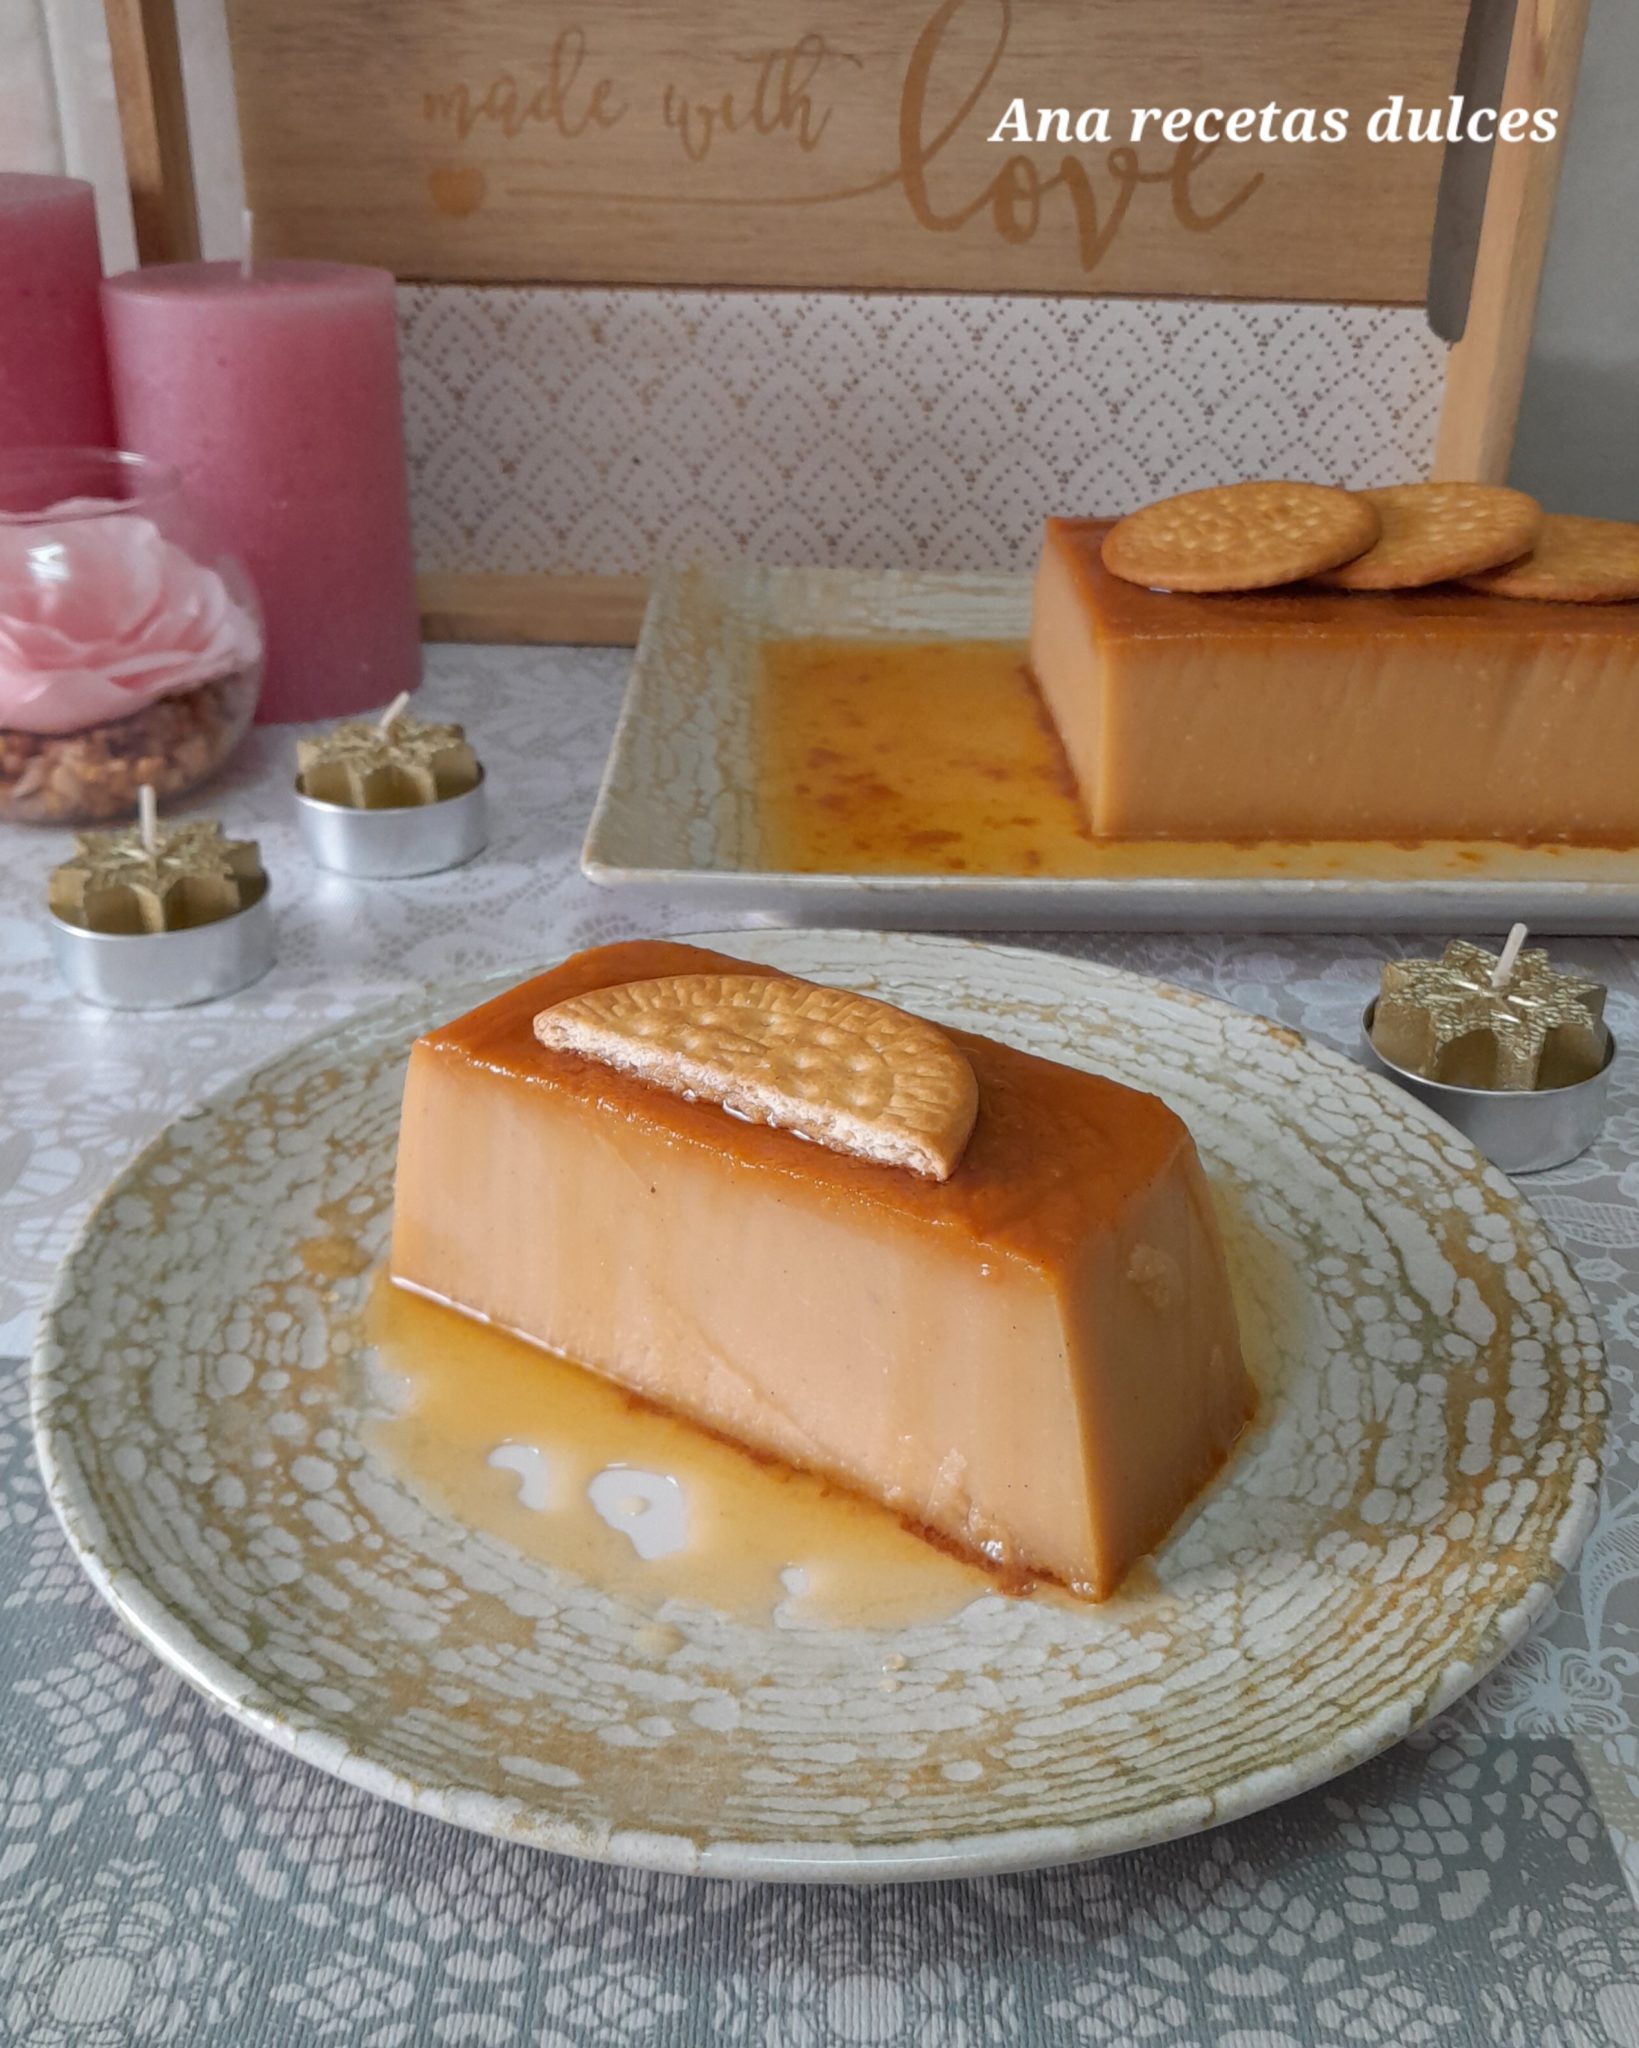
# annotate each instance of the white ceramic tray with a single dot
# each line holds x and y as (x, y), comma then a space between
(1422, 1471)
(679, 808)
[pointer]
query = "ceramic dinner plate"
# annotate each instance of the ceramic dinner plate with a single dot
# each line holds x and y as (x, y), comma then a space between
(679, 807)
(1421, 1474)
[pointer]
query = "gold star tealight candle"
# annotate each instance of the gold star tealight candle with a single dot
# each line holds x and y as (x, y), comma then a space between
(391, 796)
(1475, 1019)
(1513, 1053)
(158, 916)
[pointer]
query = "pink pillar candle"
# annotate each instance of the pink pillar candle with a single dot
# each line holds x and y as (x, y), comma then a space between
(53, 371)
(277, 398)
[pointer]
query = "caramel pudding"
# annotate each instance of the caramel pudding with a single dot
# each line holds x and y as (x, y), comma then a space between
(1034, 1358)
(1302, 713)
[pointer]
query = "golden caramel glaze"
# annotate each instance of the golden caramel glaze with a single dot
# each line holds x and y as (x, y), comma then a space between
(1054, 1152)
(751, 1514)
(896, 755)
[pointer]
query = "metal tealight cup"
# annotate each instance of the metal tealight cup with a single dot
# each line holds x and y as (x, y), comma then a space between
(166, 970)
(389, 845)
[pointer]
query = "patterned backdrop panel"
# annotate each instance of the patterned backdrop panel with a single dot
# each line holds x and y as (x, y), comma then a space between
(556, 429)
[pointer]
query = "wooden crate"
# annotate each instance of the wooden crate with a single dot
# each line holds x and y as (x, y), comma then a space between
(849, 146)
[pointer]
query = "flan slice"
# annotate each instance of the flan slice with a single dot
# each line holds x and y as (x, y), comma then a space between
(1035, 1359)
(1303, 713)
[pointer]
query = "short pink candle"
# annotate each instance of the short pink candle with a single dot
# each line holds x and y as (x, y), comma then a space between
(277, 398)
(53, 372)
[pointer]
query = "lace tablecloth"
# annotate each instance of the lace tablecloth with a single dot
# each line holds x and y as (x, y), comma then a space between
(164, 1877)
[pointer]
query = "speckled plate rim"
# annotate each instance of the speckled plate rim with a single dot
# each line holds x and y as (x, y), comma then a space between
(675, 809)
(311, 1736)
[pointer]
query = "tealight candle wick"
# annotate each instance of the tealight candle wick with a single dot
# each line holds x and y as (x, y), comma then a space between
(148, 819)
(1503, 973)
(394, 712)
(247, 245)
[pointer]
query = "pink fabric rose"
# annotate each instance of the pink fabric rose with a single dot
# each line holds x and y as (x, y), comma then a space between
(100, 614)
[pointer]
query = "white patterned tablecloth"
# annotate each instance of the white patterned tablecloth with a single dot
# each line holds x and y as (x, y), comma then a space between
(165, 1878)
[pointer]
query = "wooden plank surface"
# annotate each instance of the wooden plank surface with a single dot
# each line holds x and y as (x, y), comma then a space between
(782, 142)
(1486, 371)
(571, 611)
(147, 64)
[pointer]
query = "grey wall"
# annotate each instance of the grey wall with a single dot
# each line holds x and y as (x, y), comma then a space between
(1578, 444)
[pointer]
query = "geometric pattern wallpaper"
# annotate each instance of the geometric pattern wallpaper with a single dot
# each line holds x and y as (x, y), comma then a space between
(556, 428)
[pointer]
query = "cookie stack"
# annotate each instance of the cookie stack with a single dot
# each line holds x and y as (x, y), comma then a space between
(1258, 536)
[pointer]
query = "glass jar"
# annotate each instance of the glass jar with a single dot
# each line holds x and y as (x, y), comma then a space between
(130, 644)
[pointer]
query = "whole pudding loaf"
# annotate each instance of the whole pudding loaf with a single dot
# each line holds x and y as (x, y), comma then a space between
(1312, 713)
(1033, 1357)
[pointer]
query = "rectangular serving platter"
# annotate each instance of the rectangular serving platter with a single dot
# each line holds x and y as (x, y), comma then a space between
(678, 809)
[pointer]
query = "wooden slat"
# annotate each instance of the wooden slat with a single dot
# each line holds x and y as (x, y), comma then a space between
(573, 611)
(1486, 372)
(147, 56)
(773, 143)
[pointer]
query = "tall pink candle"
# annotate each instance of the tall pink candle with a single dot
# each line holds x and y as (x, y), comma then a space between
(53, 372)
(277, 398)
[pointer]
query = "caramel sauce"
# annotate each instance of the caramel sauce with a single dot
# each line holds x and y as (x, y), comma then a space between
(905, 757)
(333, 1257)
(460, 1390)
(894, 757)
(1055, 1151)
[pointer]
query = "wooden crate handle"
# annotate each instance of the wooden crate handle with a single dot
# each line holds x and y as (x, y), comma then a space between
(147, 54)
(1485, 375)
